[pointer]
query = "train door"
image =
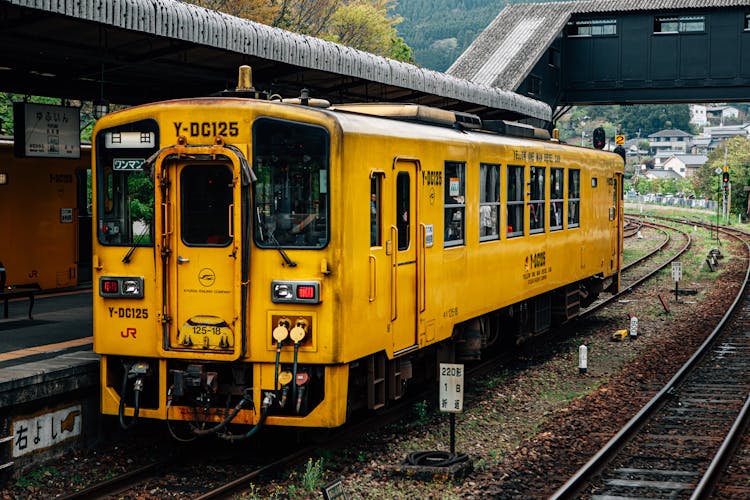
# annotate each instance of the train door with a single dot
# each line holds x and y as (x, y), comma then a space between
(404, 256)
(615, 218)
(202, 267)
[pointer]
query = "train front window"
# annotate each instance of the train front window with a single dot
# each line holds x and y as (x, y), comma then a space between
(291, 161)
(126, 208)
(124, 191)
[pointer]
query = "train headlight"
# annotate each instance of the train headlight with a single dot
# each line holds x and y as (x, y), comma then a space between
(295, 292)
(123, 287)
(131, 287)
(283, 291)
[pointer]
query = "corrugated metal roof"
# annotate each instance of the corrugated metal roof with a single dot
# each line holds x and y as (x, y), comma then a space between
(502, 56)
(189, 23)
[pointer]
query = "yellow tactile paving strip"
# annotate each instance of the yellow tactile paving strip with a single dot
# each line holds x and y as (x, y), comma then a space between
(30, 351)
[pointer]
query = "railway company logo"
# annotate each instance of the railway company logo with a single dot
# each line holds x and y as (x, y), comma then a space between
(206, 277)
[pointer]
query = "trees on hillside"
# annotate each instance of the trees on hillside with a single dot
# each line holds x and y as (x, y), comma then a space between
(637, 120)
(708, 183)
(368, 25)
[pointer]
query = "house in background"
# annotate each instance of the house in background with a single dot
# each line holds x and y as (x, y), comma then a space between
(700, 144)
(686, 165)
(718, 115)
(632, 148)
(658, 173)
(671, 140)
(717, 135)
(698, 115)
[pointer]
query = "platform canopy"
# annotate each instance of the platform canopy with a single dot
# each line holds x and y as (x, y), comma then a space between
(136, 51)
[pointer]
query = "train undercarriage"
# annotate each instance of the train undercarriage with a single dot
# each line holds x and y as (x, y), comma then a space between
(208, 397)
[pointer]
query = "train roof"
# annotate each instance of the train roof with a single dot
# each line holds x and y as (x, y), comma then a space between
(440, 118)
(213, 42)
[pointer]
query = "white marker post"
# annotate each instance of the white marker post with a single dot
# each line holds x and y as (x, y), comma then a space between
(583, 359)
(633, 327)
(452, 395)
(677, 277)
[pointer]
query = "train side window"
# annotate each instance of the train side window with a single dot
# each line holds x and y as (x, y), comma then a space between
(515, 201)
(574, 197)
(556, 193)
(403, 202)
(376, 183)
(537, 200)
(489, 202)
(455, 202)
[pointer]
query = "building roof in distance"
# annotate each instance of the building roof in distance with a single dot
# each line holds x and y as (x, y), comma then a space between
(509, 47)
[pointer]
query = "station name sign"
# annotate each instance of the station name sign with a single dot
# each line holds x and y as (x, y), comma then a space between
(46, 130)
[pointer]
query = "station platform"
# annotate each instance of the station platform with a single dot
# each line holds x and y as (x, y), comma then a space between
(62, 323)
(49, 378)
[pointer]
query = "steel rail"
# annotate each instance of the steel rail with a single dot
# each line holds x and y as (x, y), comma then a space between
(574, 485)
(726, 451)
(664, 243)
(629, 288)
(119, 483)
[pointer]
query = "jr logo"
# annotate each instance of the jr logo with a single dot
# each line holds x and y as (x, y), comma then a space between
(128, 332)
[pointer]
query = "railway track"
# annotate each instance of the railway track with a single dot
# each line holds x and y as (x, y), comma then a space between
(678, 444)
(647, 266)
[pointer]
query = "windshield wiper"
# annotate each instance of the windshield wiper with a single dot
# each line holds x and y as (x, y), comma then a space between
(289, 262)
(136, 242)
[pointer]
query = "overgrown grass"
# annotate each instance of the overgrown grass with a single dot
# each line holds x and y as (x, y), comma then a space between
(36, 477)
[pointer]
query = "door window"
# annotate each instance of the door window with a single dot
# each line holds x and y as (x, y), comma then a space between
(403, 214)
(206, 200)
(375, 216)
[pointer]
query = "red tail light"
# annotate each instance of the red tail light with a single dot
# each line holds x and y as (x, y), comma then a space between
(305, 292)
(109, 286)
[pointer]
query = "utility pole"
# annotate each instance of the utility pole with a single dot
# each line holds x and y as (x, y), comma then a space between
(727, 188)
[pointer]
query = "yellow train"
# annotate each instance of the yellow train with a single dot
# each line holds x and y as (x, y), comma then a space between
(45, 224)
(288, 262)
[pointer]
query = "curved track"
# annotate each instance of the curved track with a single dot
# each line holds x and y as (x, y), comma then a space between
(642, 269)
(675, 446)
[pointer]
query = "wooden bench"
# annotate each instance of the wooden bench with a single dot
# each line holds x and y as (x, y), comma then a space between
(17, 291)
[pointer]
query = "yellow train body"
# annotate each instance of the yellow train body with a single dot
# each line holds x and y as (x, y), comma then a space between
(386, 245)
(42, 215)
